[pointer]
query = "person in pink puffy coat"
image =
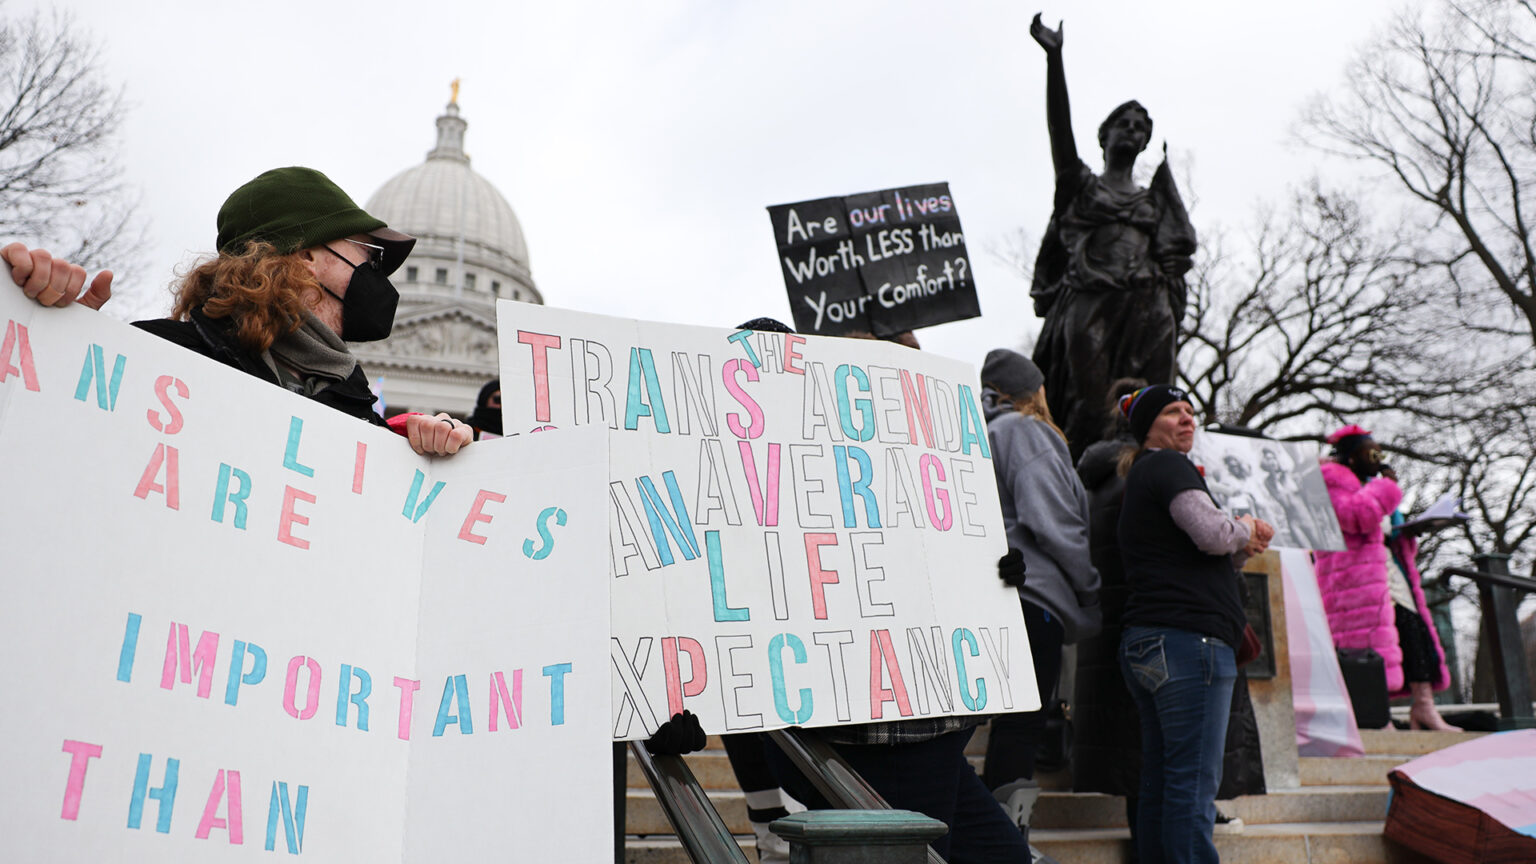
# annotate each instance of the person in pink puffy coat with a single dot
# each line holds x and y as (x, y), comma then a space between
(1372, 589)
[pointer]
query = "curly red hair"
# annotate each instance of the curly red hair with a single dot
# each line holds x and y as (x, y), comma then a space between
(263, 291)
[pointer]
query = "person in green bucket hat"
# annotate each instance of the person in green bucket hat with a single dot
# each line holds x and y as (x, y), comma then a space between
(301, 271)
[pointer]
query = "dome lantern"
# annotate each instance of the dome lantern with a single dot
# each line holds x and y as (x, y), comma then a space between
(460, 219)
(469, 254)
(450, 136)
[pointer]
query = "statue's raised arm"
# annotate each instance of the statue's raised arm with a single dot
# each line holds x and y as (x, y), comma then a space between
(1109, 277)
(1058, 113)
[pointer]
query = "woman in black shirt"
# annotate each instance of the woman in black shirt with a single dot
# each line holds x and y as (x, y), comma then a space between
(1182, 622)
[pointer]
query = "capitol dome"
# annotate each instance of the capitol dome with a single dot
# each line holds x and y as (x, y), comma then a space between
(466, 231)
(469, 254)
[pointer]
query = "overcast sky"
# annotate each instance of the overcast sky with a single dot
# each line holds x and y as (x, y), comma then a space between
(640, 143)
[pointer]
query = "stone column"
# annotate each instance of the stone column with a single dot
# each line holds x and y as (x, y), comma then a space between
(1272, 705)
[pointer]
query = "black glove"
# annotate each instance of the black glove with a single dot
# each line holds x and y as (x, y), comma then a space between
(1010, 568)
(682, 734)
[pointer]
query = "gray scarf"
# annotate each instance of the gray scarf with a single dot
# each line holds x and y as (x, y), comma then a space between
(311, 358)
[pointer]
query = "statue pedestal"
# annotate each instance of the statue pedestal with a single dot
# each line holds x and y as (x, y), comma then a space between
(1271, 696)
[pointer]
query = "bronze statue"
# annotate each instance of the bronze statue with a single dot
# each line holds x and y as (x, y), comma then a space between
(1109, 278)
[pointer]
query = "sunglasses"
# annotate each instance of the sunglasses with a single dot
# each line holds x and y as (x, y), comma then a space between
(375, 253)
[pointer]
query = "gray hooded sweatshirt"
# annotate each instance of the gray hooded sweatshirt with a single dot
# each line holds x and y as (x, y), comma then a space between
(1045, 512)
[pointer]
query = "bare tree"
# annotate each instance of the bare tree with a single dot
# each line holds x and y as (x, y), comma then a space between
(60, 181)
(1444, 105)
(1488, 459)
(1317, 323)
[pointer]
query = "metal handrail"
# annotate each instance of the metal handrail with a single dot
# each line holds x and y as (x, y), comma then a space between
(1519, 583)
(1497, 590)
(699, 827)
(832, 776)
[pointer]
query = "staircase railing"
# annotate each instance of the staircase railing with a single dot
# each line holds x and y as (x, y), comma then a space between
(832, 776)
(1500, 592)
(704, 834)
(699, 827)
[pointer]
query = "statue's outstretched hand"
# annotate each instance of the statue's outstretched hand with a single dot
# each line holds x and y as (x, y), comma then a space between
(1049, 39)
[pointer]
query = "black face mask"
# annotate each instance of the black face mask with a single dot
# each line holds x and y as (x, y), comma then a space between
(368, 309)
(487, 418)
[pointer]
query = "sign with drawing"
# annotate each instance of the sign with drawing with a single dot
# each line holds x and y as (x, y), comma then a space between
(1277, 481)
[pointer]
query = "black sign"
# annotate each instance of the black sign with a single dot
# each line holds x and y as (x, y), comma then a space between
(879, 262)
(1256, 607)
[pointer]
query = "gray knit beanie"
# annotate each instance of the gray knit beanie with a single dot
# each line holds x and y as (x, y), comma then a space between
(1011, 372)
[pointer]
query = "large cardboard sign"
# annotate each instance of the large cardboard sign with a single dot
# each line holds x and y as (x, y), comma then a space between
(878, 262)
(236, 622)
(1276, 481)
(802, 530)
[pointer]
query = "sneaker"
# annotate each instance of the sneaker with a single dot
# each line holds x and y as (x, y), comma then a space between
(1018, 800)
(1038, 857)
(1227, 824)
(771, 848)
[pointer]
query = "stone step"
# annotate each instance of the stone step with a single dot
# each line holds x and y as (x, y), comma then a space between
(713, 771)
(1323, 771)
(1335, 816)
(1403, 742)
(643, 815)
(1291, 843)
(710, 767)
(666, 850)
(1067, 811)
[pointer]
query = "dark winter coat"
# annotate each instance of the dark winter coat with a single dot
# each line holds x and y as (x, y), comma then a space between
(1106, 734)
(215, 338)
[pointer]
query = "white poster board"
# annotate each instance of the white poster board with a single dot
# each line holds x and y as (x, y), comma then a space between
(803, 530)
(1280, 482)
(236, 621)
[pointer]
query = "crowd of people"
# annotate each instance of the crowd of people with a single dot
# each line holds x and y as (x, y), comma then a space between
(1123, 552)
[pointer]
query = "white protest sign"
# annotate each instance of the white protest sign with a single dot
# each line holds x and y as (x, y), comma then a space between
(238, 622)
(803, 530)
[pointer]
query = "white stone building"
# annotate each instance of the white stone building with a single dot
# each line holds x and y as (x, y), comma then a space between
(469, 252)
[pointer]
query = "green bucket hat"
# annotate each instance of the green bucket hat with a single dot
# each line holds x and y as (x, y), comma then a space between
(296, 208)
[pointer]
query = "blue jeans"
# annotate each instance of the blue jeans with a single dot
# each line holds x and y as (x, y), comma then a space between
(1182, 684)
